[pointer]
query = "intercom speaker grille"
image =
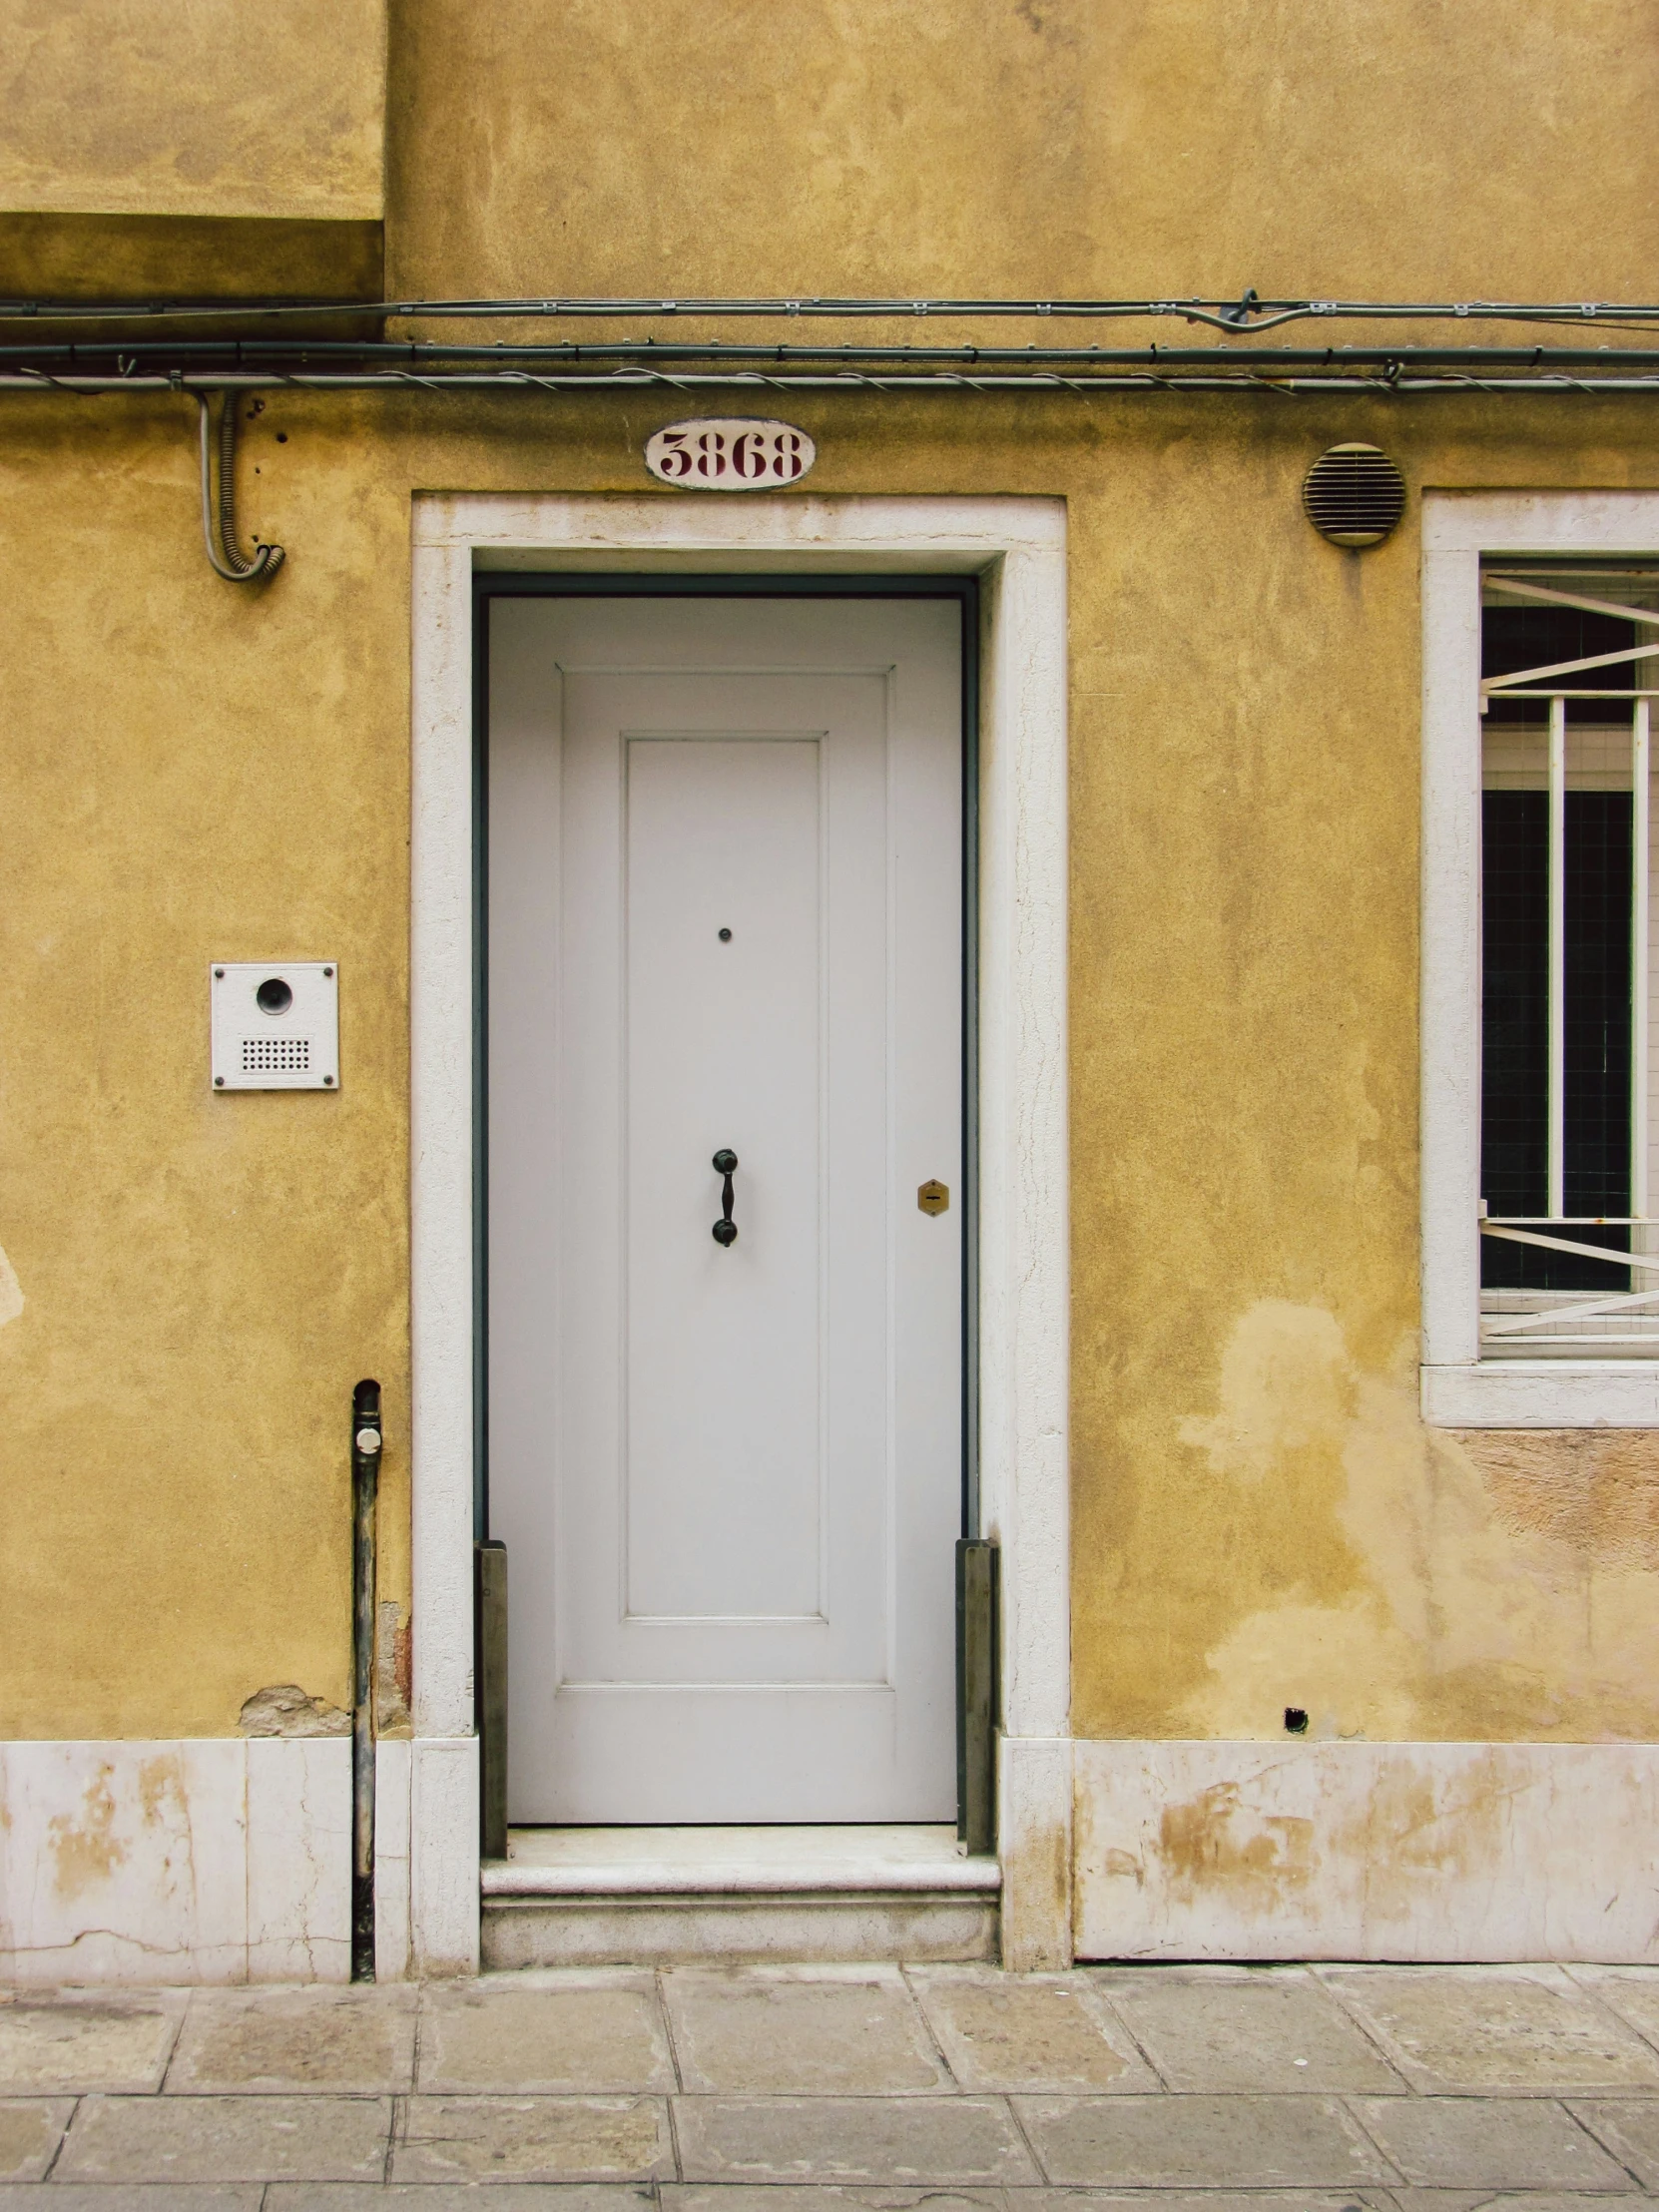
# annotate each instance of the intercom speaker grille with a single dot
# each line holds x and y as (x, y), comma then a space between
(1353, 495)
(275, 1056)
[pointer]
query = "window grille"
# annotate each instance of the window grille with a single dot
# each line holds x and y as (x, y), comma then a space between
(1566, 1134)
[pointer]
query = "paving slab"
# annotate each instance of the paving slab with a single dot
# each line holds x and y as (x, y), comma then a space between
(262, 2138)
(952, 2141)
(1193, 2141)
(1259, 2031)
(533, 2138)
(1518, 2030)
(825, 2031)
(832, 2196)
(1028, 2032)
(545, 2034)
(74, 2040)
(31, 2128)
(1230, 2200)
(1630, 2130)
(459, 2196)
(142, 2196)
(273, 2041)
(1499, 2200)
(1489, 2142)
(1632, 1991)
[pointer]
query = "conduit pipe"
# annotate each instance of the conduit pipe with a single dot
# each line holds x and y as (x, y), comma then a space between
(850, 380)
(1248, 312)
(220, 539)
(194, 355)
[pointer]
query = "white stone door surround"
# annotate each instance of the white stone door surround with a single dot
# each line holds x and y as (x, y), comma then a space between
(1017, 546)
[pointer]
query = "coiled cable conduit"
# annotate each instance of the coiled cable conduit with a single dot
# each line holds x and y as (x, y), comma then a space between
(222, 549)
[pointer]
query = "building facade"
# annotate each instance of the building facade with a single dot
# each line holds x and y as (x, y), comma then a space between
(1180, 894)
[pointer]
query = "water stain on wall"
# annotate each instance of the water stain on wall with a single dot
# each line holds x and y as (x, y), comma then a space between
(1494, 1585)
(1212, 1840)
(85, 1848)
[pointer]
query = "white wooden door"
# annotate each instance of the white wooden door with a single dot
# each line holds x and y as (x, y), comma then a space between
(725, 914)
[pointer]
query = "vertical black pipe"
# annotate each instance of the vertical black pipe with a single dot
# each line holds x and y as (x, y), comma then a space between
(365, 1477)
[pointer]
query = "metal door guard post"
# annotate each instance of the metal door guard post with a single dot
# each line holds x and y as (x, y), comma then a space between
(490, 1690)
(221, 541)
(978, 1693)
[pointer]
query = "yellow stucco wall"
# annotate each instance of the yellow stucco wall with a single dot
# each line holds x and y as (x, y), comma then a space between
(192, 771)
(192, 106)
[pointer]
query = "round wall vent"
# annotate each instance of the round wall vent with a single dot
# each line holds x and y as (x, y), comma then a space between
(1353, 495)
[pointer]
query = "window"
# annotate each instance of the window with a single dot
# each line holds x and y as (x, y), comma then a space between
(1541, 662)
(1565, 828)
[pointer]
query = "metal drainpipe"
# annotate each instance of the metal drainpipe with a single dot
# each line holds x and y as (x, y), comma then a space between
(365, 1472)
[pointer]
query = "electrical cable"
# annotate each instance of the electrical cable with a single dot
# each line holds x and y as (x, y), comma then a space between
(1249, 312)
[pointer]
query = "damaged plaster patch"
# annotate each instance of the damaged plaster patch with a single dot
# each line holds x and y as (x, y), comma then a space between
(285, 1710)
(1493, 1593)
(392, 1666)
(11, 1292)
(1284, 1388)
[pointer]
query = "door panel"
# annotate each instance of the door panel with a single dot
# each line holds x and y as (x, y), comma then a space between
(724, 1454)
(727, 1477)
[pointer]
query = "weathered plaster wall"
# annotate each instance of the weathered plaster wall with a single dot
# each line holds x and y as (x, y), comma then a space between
(192, 106)
(1260, 1519)
(1407, 148)
(192, 775)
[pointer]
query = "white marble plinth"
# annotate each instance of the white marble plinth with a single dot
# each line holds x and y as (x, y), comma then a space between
(1413, 1851)
(197, 1860)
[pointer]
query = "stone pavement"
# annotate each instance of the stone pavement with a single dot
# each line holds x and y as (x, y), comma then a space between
(844, 2090)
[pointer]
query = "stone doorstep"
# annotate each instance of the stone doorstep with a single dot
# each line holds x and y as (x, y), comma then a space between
(745, 1862)
(664, 1896)
(686, 1928)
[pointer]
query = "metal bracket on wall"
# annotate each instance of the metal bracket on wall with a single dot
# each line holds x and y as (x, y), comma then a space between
(220, 539)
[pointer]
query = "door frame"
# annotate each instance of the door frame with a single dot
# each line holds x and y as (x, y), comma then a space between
(1017, 549)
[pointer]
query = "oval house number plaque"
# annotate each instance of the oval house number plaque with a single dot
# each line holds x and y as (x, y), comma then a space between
(735, 456)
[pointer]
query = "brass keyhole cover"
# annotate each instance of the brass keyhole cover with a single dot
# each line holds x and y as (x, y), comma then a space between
(933, 1198)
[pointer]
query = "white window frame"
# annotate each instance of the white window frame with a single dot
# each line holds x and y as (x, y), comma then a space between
(1459, 1390)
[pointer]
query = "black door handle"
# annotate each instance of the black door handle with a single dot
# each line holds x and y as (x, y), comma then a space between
(726, 1228)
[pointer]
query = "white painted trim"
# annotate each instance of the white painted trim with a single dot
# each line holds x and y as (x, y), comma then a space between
(393, 1956)
(1018, 546)
(1459, 1390)
(1543, 1393)
(440, 1136)
(443, 1855)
